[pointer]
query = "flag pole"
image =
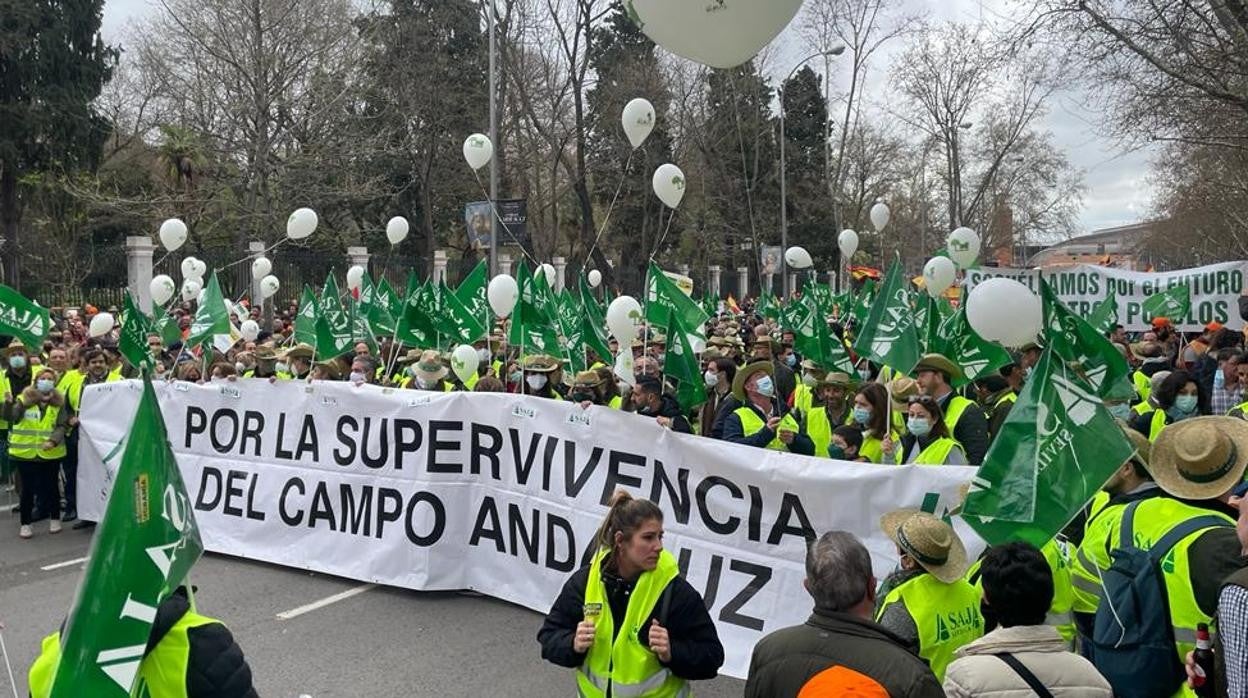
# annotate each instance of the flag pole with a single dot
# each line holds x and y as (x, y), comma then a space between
(8, 666)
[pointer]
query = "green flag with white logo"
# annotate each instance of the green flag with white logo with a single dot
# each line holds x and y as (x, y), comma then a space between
(811, 336)
(681, 365)
(663, 295)
(472, 294)
(1084, 349)
(135, 327)
(863, 301)
(142, 551)
(375, 307)
(1105, 315)
(1173, 303)
(1057, 447)
(455, 322)
(22, 318)
(533, 328)
(416, 328)
(212, 317)
(334, 323)
(305, 320)
(889, 336)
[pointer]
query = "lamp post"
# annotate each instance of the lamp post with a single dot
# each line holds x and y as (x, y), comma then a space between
(955, 173)
(491, 10)
(784, 193)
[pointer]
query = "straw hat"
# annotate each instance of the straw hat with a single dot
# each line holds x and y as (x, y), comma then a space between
(812, 365)
(657, 340)
(539, 363)
(1143, 447)
(299, 351)
(411, 356)
(838, 378)
(744, 373)
(430, 367)
(1147, 350)
(265, 352)
(902, 388)
(332, 372)
(930, 541)
(937, 362)
(1201, 457)
(775, 346)
(15, 345)
(587, 379)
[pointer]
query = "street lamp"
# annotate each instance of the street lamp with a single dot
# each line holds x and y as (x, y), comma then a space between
(784, 193)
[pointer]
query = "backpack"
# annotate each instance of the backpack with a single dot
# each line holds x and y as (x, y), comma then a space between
(1132, 642)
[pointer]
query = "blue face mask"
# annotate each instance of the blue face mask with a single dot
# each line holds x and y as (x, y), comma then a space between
(516, 376)
(1120, 410)
(919, 426)
(765, 387)
(790, 360)
(1184, 406)
(44, 385)
(862, 415)
(17, 361)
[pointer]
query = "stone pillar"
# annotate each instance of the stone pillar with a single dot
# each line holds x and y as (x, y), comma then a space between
(255, 250)
(504, 262)
(139, 250)
(743, 282)
(713, 281)
(359, 256)
(439, 266)
(561, 272)
(769, 283)
(832, 281)
(792, 284)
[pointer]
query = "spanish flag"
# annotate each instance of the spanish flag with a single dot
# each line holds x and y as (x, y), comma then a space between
(732, 305)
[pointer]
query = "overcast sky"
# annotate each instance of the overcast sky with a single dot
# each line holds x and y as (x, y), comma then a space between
(1118, 189)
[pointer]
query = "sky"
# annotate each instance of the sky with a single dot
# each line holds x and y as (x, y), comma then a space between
(1117, 191)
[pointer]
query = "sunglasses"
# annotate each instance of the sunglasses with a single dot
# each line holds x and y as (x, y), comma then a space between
(921, 400)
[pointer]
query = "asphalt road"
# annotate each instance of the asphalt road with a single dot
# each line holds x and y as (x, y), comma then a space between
(377, 641)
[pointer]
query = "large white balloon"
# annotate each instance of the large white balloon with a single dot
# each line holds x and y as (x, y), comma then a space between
(191, 289)
(595, 278)
(548, 270)
(464, 362)
(172, 234)
(848, 242)
(623, 317)
(719, 34)
(669, 184)
(269, 286)
(624, 366)
(261, 268)
(938, 275)
(162, 289)
(478, 150)
(188, 268)
(963, 245)
(199, 268)
(301, 223)
(638, 118)
(101, 324)
(1003, 310)
(250, 329)
(396, 230)
(502, 293)
(880, 216)
(355, 277)
(798, 258)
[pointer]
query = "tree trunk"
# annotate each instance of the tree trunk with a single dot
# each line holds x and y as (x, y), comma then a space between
(10, 219)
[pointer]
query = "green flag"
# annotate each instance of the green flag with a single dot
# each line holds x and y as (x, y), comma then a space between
(472, 294)
(1105, 315)
(1057, 447)
(142, 551)
(1085, 350)
(863, 301)
(889, 336)
(532, 327)
(375, 306)
(768, 307)
(681, 365)
(594, 324)
(1173, 303)
(135, 327)
(415, 326)
(662, 296)
(168, 329)
(334, 324)
(23, 318)
(811, 336)
(455, 322)
(212, 318)
(305, 321)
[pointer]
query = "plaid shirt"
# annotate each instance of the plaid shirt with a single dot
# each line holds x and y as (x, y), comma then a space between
(1233, 629)
(1223, 401)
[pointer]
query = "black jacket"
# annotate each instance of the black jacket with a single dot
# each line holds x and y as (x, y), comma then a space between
(971, 431)
(726, 406)
(734, 431)
(785, 660)
(696, 650)
(216, 667)
(671, 409)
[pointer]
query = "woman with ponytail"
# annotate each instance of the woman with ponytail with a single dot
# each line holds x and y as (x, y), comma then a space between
(628, 622)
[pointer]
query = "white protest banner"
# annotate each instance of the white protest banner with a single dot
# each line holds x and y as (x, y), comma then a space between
(1215, 290)
(498, 493)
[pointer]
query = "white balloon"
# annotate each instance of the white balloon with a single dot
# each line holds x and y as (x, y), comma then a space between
(250, 329)
(162, 289)
(172, 234)
(355, 277)
(718, 34)
(669, 184)
(880, 216)
(963, 245)
(188, 268)
(502, 293)
(191, 289)
(848, 242)
(269, 286)
(396, 230)
(638, 118)
(697, 344)
(261, 268)
(198, 269)
(101, 324)
(624, 366)
(199, 299)
(464, 362)
(548, 270)
(623, 317)
(1003, 310)
(798, 258)
(594, 277)
(938, 275)
(478, 150)
(301, 224)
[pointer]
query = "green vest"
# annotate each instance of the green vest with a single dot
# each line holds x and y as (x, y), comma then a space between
(818, 428)
(471, 382)
(873, 449)
(1154, 518)
(803, 399)
(616, 403)
(163, 669)
(751, 424)
(624, 666)
(1008, 397)
(1059, 615)
(1143, 385)
(1240, 410)
(946, 615)
(937, 452)
(27, 436)
(957, 405)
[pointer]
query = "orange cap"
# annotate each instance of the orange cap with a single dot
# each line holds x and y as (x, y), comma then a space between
(1213, 326)
(1160, 322)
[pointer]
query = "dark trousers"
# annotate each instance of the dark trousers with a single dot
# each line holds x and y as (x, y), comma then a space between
(39, 481)
(69, 466)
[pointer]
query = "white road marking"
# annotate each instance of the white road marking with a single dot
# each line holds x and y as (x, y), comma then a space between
(59, 565)
(315, 605)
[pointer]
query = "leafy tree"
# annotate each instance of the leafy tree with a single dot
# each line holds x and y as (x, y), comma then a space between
(811, 224)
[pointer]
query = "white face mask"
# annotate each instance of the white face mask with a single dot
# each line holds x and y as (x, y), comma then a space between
(483, 355)
(711, 378)
(357, 377)
(536, 381)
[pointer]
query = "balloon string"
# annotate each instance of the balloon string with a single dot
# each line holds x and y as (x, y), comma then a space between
(623, 176)
(494, 210)
(662, 237)
(266, 250)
